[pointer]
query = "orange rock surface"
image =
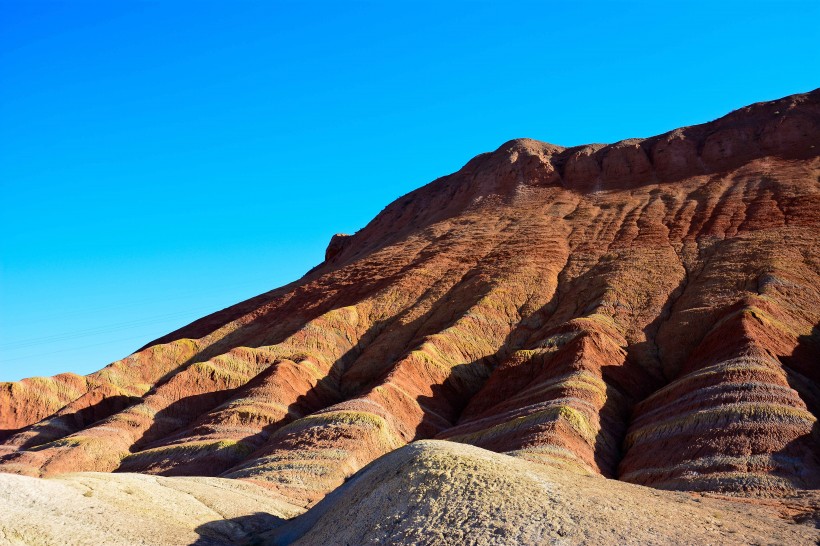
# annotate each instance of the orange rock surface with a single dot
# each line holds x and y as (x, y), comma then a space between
(647, 310)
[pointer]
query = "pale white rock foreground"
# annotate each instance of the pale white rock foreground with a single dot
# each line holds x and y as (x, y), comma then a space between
(435, 492)
(429, 492)
(131, 509)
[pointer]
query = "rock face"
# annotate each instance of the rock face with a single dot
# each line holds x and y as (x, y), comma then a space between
(647, 311)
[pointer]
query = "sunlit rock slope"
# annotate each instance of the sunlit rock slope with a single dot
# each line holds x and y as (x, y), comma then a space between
(433, 492)
(94, 509)
(647, 311)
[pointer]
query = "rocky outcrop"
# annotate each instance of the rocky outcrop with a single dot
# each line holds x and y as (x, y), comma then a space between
(336, 245)
(645, 311)
(518, 502)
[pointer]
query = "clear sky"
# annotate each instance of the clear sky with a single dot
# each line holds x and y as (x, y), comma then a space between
(163, 160)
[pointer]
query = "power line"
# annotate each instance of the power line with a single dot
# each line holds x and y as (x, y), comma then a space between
(176, 297)
(72, 349)
(108, 328)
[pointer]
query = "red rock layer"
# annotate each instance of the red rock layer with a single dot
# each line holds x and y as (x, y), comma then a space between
(68, 402)
(646, 310)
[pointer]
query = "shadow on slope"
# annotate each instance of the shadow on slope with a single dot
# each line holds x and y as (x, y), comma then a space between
(63, 424)
(802, 369)
(438, 492)
(223, 532)
(178, 424)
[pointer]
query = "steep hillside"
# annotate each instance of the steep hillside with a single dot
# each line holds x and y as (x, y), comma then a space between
(647, 311)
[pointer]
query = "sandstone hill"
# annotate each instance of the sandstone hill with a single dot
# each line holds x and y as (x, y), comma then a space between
(646, 311)
(436, 499)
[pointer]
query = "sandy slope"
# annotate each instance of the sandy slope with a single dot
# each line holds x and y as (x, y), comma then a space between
(131, 509)
(434, 492)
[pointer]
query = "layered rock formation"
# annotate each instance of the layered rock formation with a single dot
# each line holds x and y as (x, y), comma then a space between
(648, 311)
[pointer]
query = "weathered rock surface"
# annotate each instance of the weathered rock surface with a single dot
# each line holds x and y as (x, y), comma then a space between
(130, 509)
(647, 311)
(433, 492)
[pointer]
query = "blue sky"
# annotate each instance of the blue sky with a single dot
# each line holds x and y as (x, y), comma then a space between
(163, 160)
